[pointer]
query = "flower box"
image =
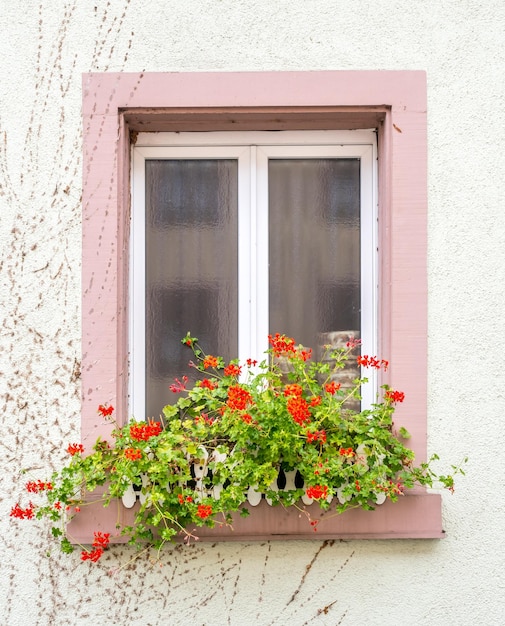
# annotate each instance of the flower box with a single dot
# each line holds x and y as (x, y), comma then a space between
(270, 450)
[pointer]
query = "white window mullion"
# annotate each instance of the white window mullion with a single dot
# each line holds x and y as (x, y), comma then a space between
(262, 261)
(246, 251)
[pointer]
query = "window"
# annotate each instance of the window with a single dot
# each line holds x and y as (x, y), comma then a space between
(238, 235)
(117, 107)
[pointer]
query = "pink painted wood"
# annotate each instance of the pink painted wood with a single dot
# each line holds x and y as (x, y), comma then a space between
(116, 106)
(412, 517)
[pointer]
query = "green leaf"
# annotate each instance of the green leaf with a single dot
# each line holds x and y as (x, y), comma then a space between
(66, 546)
(404, 433)
(170, 411)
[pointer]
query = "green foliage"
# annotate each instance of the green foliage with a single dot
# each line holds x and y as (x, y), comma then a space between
(238, 427)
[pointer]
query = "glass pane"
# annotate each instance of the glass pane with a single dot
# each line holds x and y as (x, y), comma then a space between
(191, 267)
(314, 248)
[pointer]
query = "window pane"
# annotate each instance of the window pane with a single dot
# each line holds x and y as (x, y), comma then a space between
(191, 267)
(314, 247)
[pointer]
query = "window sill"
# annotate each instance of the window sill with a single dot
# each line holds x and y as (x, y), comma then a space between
(414, 516)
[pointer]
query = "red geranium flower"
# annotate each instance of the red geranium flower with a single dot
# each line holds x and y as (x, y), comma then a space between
(75, 448)
(101, 540)
(204, 510)
(372, 361)
(332, 387)
(21, 513)
(282, 345)
(132, 454)
(232, 370)
(206, 384)
(394, 396)
(238, 398)
(92, 555)
(210, 361)
(318, 435)
(143, 432)
(317, 492)
(293, 390)
(105, 410)
(298, 409)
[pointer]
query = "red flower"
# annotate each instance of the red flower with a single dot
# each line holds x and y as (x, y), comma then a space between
(206, 384)
(20, 513)
(318, 435)
(143, 432)
(178, 387)
(317, 492)
(353, 342)
(205, 419)
(293, 390)
(246, 418)
(251, 363)
(282, 345)
(298, 409)
(101, 540)
(392, 489)
(204, 510)
(332, 387)
(93, 555)
(232, 370)
(210, 361)
(36, 487)
(183, 499)
(305, 355)
(238, 398)
(57, 505)
(105, 410)
(153, 429)
(372, 361)
(394, 396)
(132, 454)
(316, 401)
(347, 452)
(75, 448)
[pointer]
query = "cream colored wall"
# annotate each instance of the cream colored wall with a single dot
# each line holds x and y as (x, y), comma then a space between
(43, 51)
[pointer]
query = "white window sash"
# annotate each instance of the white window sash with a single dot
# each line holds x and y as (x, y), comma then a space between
(252, 150)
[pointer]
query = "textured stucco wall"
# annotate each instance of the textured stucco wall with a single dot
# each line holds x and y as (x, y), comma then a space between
(43, 51)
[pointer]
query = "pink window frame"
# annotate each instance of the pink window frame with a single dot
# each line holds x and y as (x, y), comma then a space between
(116, 106)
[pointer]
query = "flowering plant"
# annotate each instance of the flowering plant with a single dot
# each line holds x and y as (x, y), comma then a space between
(231, 436)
